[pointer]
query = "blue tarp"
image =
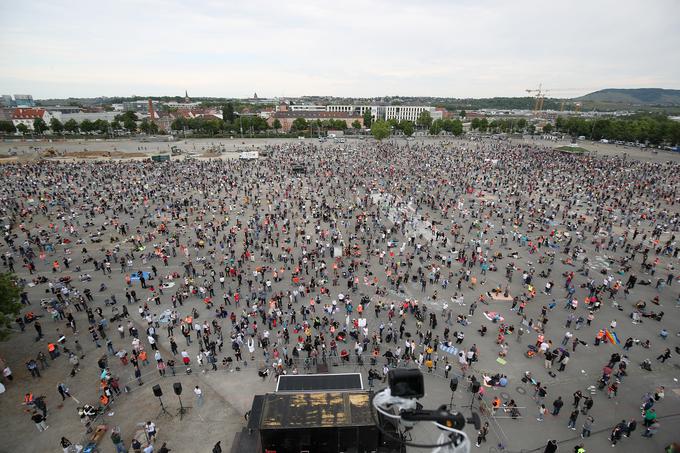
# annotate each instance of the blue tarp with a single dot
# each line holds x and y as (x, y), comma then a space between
(135, 276)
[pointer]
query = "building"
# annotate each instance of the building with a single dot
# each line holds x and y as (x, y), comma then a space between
(79, 117)
(304, 108)
(26, 116)
(182, 105)
(378, 112)
(139, 106)
(20, 100)
(286, 118)
(7, 101)
(24, 100)
(410, 112)
(63, 109)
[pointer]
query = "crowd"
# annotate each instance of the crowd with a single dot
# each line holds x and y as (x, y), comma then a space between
(379, 254)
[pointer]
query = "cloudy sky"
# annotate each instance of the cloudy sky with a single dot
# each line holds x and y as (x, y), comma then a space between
(457, 48)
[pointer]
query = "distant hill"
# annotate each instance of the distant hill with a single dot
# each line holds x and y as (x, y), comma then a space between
(634, 96)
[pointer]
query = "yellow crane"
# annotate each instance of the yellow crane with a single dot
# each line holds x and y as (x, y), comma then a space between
(539, 97)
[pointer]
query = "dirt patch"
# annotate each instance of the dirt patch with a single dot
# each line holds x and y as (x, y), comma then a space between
(97, 154)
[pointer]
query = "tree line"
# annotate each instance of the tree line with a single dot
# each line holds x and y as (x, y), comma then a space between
(649, 129)
(382, 129)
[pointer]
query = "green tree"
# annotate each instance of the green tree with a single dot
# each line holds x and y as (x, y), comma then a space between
(22, 128)
(394, 123)
(56, 126)
(86, 126)
(368, 119)
(101, 126)
(115, 125)
(456, 128)
(39, 126)
(128, 115)
(474, 124)
(179, 124)
(9, 303)
(145, 126)
(548, 128)
(494, 125)
(380, 129)
(521, 124)
(7, 127)
(531, 129)
(71, 126)
(436, 127)
(300, 124)
(129, 124)
(424, 119)
(463, 113)
(483, 125)
(356, 124)
(276, 125)
(406, 127)
(228, 113)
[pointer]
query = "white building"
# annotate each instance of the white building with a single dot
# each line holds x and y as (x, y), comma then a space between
(378, 112)
(307, 108)
(182, 105)
(26, 116)
(410, 112)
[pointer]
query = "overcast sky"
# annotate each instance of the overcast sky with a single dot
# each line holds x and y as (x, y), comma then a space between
(453, 48)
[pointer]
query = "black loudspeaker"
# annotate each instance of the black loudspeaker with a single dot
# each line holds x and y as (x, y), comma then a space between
(406, 383)
(177, 387)
(474, 388)
(157, 390)
(453, 384)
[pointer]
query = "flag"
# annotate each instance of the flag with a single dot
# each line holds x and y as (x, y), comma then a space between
(611, 336)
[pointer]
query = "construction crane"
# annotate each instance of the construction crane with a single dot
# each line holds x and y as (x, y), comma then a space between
(539, 98)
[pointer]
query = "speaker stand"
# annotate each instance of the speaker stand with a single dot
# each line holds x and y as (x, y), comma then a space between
(182, 409)
(163, 410)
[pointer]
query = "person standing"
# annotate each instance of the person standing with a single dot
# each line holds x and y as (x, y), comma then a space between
(587, 427)
(630, 427)
(63, 391)
(617, 432)
(150, 428)
(572, 419)
(541, 413)
(650, 416)
(117, 440)
(199, 396)
(577, 398)
(481, 434)
(557, 405)
(587, 405)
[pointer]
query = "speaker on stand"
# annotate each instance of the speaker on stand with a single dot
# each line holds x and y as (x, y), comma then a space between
(159, 393)
(453, 384)
(177, 387)
(474, 389)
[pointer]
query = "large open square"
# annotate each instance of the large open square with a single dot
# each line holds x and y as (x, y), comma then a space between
(393, 251)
